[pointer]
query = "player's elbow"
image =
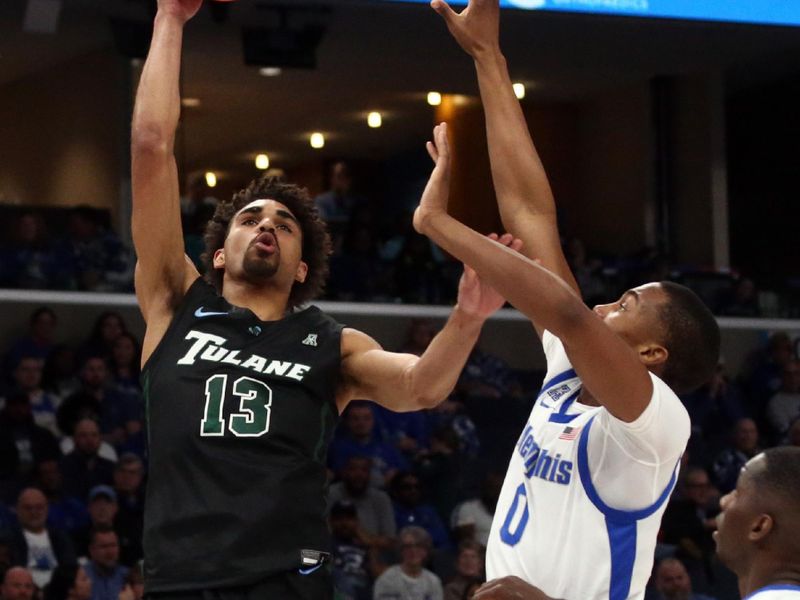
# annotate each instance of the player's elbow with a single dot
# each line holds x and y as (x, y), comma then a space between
(420, 393)
(150, 139)
(570, 320)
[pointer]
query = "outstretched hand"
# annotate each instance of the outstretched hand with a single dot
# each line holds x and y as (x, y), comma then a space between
(181, 9)
(434, 198)
(476, 28)
(476, 298)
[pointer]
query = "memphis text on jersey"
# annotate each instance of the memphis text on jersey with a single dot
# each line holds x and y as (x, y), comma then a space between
(539, 463)
(211, 348)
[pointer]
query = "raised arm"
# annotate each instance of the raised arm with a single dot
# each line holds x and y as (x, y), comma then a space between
(162, 273)
(405, 382)
(607, 365)
(523, 192)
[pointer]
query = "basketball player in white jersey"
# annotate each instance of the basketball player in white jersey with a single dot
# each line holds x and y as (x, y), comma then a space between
(597, 460)
(758, 535)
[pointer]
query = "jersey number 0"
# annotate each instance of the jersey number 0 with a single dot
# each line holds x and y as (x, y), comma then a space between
(252, 420)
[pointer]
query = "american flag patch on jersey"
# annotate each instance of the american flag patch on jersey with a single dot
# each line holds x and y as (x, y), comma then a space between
(569, 433)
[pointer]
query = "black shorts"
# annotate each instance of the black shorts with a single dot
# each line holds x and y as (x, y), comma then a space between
(291, 585)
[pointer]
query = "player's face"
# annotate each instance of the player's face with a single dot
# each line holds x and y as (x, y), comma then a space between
(635, 315)
(739, 510)
(264, 243)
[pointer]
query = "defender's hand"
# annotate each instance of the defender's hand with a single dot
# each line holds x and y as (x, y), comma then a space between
(476, 28)
(434, 198)
(476, 298)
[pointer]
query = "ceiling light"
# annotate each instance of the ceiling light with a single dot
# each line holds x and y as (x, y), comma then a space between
(434, 98)
(519, 90)
(317, 140)
(211, 179)
(270, 71)
(190, 102)
(374, 120)
(262, 162)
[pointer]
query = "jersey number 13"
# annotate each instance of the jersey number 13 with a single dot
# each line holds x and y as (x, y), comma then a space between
(252, 418)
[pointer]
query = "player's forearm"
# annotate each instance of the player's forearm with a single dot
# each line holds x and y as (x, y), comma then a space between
(434, 375)
(157, 108)
(542, 296)
(519, 176)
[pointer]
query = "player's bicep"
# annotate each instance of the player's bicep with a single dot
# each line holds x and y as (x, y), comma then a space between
(372, 373)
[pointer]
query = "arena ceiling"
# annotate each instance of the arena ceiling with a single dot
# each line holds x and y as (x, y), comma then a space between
(383, 56)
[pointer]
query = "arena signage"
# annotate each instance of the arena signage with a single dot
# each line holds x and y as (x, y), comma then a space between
(765, 12)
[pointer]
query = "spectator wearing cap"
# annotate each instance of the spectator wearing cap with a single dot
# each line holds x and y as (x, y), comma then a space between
(354, 564)
(17, 585)
(103, 507)
(410, 579)
(36, 546)
(472, 519)
(103, 568)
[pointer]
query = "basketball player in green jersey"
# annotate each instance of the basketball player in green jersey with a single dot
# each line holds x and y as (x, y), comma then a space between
(242, 390)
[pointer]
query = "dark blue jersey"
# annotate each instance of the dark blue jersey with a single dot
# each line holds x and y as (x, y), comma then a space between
(239, 416)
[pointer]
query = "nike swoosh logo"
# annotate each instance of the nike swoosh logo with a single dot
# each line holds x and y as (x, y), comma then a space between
(200, 313)
(309, 571)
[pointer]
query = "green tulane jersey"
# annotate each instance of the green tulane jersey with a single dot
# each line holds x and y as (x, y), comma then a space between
(239, 416)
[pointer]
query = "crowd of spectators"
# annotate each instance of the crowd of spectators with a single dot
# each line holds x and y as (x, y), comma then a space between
(377, 256)
(412, 495)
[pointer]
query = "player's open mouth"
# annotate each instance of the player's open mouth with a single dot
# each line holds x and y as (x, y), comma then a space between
(266, 242)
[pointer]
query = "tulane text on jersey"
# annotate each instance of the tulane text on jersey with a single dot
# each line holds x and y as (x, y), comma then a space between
(212, 348)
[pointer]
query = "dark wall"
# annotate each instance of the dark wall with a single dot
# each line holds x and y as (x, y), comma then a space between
(764, 175)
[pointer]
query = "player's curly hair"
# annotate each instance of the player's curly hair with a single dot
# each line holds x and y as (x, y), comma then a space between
(316, 241)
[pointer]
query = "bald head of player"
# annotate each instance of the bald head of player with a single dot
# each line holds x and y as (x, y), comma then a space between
(758, 530)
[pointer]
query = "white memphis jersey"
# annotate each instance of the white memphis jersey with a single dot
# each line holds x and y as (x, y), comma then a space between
(778, 591)
(554, 525)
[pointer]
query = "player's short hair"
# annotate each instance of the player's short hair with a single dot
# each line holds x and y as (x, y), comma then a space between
(316, 241)
(781, 475)
(692, 339)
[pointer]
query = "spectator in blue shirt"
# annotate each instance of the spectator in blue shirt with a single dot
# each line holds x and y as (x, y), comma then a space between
(358, 438)
(107, 575)
(410, 510)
